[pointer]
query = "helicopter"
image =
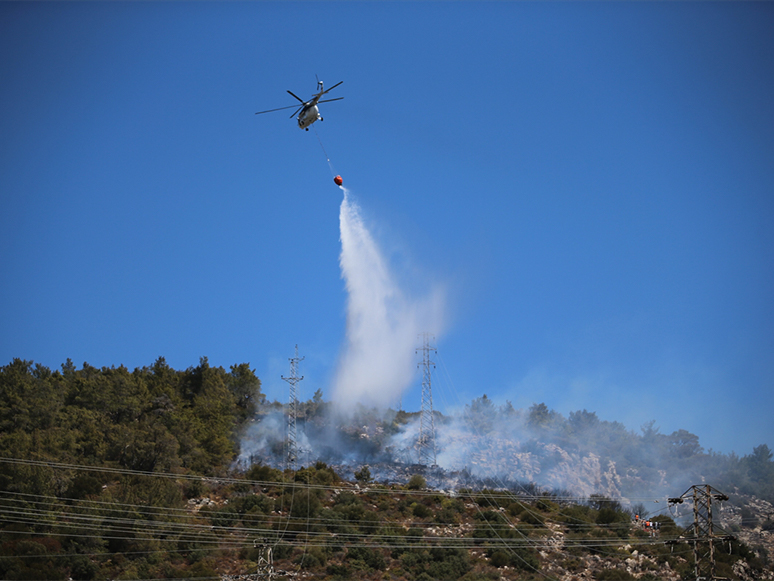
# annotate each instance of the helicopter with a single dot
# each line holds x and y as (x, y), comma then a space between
(308, 112)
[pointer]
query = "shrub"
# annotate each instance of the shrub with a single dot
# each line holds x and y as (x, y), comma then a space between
(532, 518)
(454, 504)
(421, 511)
(613, 575)
(490, 516)
(666, 525)
(282, 550)
(338, 571)
(311, 558)
(491, 498)
(447, 516)
(264, 473)
(499, 559)
(576, 516)
(363, 475)
(222, 517)
(515, 508)
(325, 474)
(346, 498)
(253, 503)
(84, 485)
(524, 559)
(414, 534)
(416, 482)
(194, 488)
(370, 558)
(239, 488)
(448, 564)
(607, 516)
(413, 558)
(304, 504)
(203, 568)
(82, 568)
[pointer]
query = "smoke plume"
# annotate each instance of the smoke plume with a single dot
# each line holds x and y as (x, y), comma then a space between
(383, 321)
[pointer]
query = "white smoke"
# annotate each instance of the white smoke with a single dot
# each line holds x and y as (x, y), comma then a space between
(383, 322)
(262, 439)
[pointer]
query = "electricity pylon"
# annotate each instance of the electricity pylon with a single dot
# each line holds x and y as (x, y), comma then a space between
(265, 569)
(292, 444)
(426, 442)
(702, 533)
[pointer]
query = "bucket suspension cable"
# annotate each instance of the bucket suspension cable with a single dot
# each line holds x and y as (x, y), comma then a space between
(328, 159)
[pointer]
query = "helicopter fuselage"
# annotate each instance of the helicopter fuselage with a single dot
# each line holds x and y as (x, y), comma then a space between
(307, 116)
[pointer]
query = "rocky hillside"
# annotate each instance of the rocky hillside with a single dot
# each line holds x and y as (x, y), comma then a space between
(156, 473)
(310, 524)
(580, 453)
(751, 520)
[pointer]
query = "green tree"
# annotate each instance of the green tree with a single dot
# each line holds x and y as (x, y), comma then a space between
(481, 414)
(581, 422)
(246, 389)
(540, 417)
(760, 468)
(363, 475)
(684, 444)
(416, 482)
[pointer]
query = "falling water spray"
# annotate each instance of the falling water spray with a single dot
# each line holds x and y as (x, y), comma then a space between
(383, 319)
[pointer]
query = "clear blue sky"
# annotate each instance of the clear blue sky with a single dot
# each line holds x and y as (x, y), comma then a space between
(592, 184)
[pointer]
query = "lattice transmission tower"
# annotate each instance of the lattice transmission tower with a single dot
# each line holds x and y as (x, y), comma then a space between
(265, 564)
(426, 442)
(292, 443)
(702, 534)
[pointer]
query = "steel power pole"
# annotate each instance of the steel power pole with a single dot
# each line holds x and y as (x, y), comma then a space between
(292, 444)
(702, 534)
(426, 443)
(265, 563)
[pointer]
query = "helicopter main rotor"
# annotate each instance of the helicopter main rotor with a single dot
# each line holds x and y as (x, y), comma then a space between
(305, 104)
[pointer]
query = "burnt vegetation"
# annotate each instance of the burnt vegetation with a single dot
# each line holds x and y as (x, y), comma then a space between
(110, 473)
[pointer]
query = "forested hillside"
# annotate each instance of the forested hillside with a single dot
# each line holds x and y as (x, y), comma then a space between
(150, 419)
(117, 474)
